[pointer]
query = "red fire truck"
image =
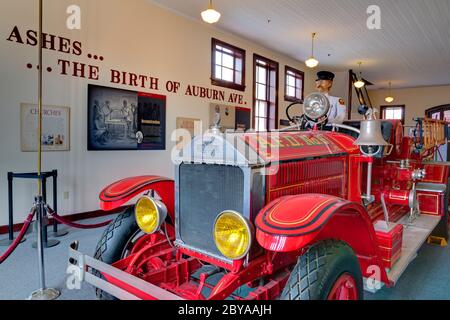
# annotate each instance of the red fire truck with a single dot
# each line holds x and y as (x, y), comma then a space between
(300, 214)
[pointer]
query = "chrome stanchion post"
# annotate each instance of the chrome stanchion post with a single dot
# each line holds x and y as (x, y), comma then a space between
(48, 243)
(43, 293)
(40, 241)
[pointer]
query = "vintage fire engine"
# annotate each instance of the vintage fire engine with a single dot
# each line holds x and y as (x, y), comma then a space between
(298, 214)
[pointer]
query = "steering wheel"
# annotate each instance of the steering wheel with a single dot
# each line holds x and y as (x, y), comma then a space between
(301, 120)
(291, 119)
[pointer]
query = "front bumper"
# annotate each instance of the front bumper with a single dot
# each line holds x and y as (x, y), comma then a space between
(127, 287)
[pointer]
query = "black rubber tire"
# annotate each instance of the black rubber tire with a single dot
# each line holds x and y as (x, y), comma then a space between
(113, 241)
(318, 269)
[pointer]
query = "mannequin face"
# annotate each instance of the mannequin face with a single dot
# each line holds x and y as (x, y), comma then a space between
(324, 86)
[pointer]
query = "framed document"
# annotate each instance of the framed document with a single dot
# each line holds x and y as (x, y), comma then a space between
(125, 120)
(230, 117)
(55, 128)
(151, 121)
(112, 115)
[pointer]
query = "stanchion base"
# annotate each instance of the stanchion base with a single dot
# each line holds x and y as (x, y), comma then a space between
(58, 234)
(7, 242)
(45, 294)
(49, 244)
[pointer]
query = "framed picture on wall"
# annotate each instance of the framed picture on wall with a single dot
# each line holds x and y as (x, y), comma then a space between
(230, 117)
(125, 120)
(151, 125)
(55, 128)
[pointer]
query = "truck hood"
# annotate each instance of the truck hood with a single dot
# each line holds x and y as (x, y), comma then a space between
(263, 148)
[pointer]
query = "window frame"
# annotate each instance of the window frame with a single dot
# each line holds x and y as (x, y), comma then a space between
(237, 52)
(439, 109)
(302, 76)
(276, 67)
(401, 106)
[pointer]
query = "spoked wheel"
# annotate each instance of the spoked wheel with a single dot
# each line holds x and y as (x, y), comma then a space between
(345, 288)
(329, 270)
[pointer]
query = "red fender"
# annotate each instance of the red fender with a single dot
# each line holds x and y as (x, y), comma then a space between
(120, 192)
(294, 222)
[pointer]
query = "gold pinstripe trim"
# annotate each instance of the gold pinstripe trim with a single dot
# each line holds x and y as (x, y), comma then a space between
(322, 204)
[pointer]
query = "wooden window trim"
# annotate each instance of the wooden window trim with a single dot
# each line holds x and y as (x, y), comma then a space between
(274, 65)
(402, 106)
(441, 109)
(302, 75)
(241, 54)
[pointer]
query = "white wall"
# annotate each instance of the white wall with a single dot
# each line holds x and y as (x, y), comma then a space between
(416, 100)
(133, 36)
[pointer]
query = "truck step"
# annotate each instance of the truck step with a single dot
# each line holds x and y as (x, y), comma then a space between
(414, 236)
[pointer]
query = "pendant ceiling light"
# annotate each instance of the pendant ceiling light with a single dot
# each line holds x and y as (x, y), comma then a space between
(360, 82)
(210, 15)
(389, 98)
(312, 62)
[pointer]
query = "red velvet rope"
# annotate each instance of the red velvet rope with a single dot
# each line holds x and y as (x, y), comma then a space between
(19, 238)
(76, 225)
(28, 221)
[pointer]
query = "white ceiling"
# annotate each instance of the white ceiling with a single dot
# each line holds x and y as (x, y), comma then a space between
(412, 49)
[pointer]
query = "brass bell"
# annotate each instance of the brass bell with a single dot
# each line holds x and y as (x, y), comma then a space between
(371, 134)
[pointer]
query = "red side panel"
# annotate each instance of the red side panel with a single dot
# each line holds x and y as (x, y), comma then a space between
(390, 245)
(436, 173)
(434, 203)
(122, 191)
(430, 202)
(323, 175)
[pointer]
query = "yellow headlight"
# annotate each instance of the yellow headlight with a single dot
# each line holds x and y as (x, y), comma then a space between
(232, 235)
(149, 214)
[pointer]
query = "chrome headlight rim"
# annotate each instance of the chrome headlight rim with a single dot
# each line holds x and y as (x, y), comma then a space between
(316, 106)
(249, 227)
(161, 213)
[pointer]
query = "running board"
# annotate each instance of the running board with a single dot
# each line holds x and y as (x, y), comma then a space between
(414, 236)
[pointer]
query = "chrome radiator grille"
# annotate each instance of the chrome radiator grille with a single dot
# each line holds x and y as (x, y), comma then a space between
(204, 191)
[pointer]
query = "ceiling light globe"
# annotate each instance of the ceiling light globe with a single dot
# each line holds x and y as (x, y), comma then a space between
(211, 16)
(311, 63)
(359, 84)
(389, 99)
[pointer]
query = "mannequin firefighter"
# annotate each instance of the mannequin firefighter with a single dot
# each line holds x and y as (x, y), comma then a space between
(338, 110)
